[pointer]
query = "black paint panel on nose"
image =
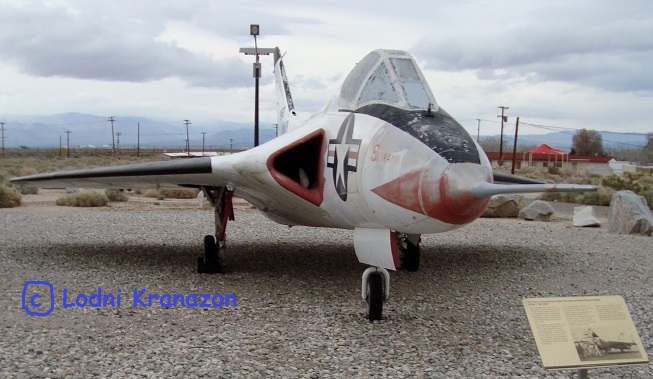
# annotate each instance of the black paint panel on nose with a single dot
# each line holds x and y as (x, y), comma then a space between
(437, 130)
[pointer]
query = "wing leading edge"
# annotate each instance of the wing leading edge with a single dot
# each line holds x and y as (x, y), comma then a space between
(185, 173)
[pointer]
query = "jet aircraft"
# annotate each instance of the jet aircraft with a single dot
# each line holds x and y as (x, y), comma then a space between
(382, 158)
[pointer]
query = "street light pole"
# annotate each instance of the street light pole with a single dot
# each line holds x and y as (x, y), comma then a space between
(254, 30)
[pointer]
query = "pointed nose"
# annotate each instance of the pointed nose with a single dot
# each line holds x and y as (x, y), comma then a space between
(445, 195)
(448, 197)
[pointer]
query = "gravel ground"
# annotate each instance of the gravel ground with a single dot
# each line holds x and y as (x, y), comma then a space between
(299, 312)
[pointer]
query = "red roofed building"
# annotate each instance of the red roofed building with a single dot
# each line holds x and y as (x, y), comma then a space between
(545, 156)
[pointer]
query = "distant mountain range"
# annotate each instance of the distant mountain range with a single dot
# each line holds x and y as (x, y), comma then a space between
(90, 130)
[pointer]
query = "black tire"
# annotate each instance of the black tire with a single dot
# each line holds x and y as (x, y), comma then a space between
(210, 249)
(411, 257)
(374, 297)
(211, 262)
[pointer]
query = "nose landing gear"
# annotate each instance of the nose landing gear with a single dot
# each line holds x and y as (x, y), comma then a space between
(375, 290)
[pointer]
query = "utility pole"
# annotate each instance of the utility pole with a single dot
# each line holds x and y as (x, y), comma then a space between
(2, 127)
(113, 141)
(478, 131)
(203, 139)
(138, 140)
(514, 148)
(118, 140)
(503, 119)
(231, 145)
(59, 145)
(186, 122)
(68, 143)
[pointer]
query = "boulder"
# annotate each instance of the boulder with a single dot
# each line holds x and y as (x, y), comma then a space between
(629, 214)
(537, 211)
(504, 206)
(585, 216)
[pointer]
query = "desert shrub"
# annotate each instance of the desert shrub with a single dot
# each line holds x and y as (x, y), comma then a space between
(115, 195)
(9, 198)
(84, 199)
(26, 171)
(171, 194)
(149, 193)
(553, 170)
(26, 189)
(620, 183)
(180, 193)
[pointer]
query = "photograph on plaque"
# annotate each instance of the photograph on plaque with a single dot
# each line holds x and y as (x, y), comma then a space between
(584, 332)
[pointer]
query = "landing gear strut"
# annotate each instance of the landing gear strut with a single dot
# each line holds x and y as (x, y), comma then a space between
(375, 290)
(214, 247)
(410, 253)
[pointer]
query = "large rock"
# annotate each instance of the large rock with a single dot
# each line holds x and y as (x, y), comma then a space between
(504, 206)
(585, 216)
(537, 211)
(629, 214)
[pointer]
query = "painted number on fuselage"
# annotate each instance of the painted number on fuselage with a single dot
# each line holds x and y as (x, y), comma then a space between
(343, 156)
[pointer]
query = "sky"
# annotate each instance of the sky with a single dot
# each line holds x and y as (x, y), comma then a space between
(562, 64)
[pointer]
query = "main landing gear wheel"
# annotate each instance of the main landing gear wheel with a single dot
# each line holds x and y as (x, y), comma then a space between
(211, 262)
(375, 290)
(411, 257)
(410, 252)
(214, 247)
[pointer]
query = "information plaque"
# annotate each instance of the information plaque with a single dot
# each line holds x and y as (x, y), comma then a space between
(584, 332)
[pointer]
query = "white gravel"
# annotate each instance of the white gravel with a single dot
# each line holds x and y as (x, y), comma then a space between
(299, 312)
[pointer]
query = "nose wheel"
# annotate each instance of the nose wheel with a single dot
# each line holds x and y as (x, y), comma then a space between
(375, 290)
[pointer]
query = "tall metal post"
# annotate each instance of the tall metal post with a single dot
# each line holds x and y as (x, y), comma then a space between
(186, 122)
(478, 131)
(514, 148)
(203, 139)
(2, 127)
(254, 30)
(68, 143)
(503, 118)
(138, 140)
(231, 145)
(113, 138)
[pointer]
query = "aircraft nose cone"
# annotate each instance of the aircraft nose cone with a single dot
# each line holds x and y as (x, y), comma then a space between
(444, 195)
(449, 197)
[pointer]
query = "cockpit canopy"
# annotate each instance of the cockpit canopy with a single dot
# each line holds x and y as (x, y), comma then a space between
(385, 77)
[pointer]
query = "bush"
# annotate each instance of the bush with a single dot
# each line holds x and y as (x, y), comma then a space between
(9, 198)
(25, 189)
(115, 195)
(180, 194)
(84, 199)
(171, 194)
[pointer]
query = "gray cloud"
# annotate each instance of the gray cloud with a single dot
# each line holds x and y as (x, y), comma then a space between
(117, 42)
(602, 44)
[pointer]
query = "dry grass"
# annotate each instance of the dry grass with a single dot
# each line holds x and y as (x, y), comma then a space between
(115, 195)
(170, 194)
(84, 199)
(9, 198)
